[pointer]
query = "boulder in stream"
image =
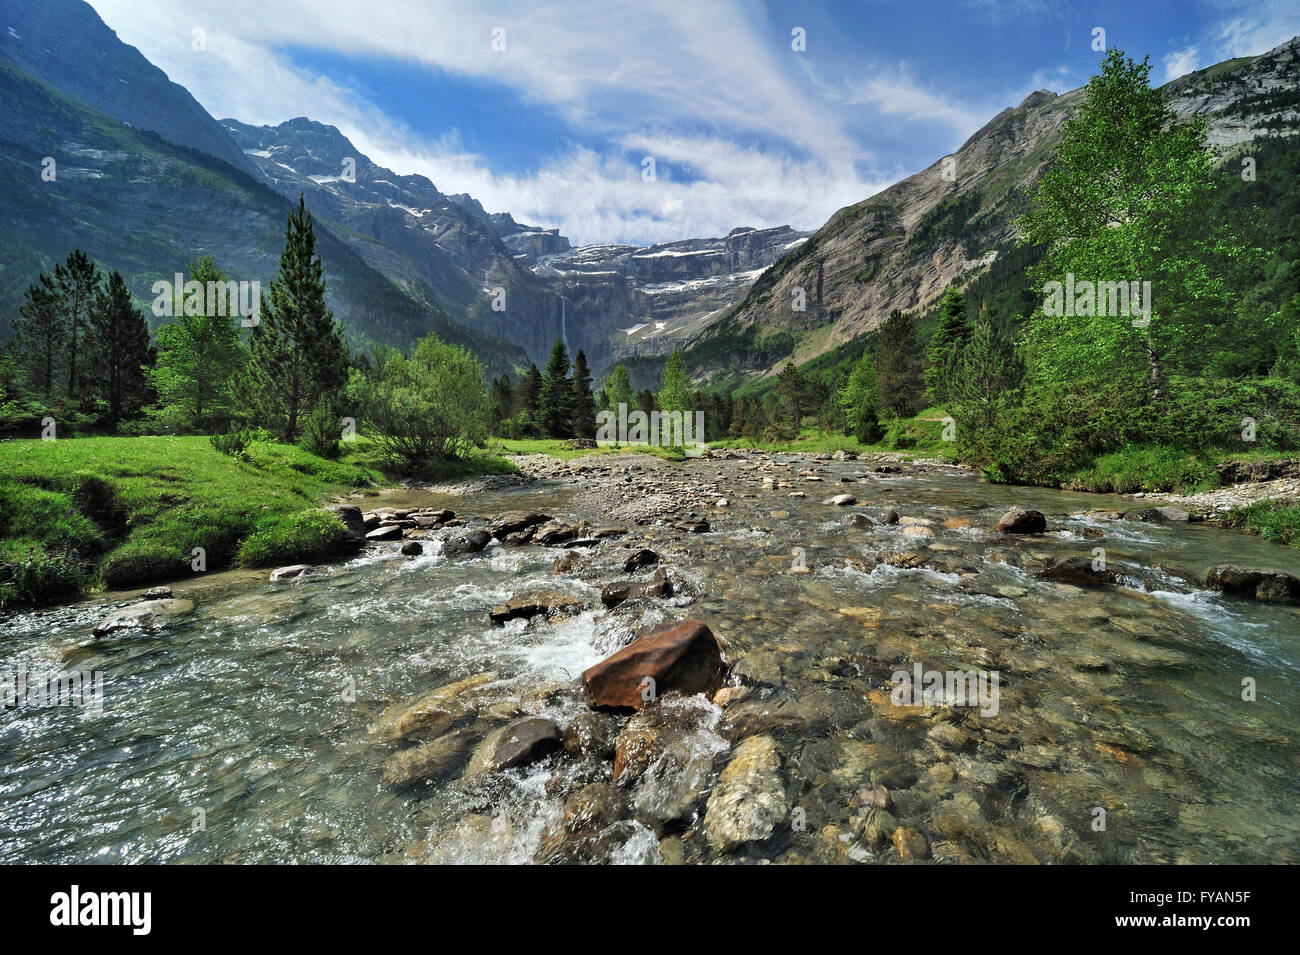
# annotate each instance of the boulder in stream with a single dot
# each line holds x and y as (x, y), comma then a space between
(1272, 586)
(145, 615)
(682, 655)
(1017, 521)
(533, 603)
(292, 572)
(518, 743)
(749, 801)
(611, 595)
(511, 522)
(467, 542)
(1078, 571)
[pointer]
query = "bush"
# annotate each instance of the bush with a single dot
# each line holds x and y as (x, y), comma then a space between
(429, 408)
(293, 538)
(236, 443)
(320, 432)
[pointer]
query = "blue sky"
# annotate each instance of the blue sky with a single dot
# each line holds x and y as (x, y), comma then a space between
(744, 130)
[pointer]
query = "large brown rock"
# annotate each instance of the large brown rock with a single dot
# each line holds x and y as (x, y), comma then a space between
(683, 656)
(1272, 586)
(1022, 522)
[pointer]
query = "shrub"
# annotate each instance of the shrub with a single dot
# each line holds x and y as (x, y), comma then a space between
(320, 432)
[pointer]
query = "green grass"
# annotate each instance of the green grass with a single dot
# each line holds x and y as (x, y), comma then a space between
(1269, 520)
(84, 512)
(918, 437)
(1148, 468)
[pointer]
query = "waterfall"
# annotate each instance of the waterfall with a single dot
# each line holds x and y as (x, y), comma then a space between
(564, 328)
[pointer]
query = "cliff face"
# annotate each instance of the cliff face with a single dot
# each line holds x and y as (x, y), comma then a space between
(902, 247)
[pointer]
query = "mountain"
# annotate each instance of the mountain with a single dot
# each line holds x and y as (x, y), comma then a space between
(955, 221)
(64, 44)
(146, 205)
(609, 300)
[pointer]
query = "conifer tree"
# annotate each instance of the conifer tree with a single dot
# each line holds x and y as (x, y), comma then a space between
(77, 283)
(555, 402)
(898, 366)
(41, 336)
(117, 349)
(296, 354)
(584, 405)
(944, 353)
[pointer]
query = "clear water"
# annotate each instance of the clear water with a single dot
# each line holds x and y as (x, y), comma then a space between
(255, 709)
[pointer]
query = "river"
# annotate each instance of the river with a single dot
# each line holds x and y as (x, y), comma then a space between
(240, 733)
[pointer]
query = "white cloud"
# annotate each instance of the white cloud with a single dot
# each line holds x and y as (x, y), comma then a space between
(1181, 62)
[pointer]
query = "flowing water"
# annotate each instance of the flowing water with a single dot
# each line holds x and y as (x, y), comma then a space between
(240, 733)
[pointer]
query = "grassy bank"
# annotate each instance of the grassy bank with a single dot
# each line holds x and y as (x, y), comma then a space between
(84, 512)
(1269, 520)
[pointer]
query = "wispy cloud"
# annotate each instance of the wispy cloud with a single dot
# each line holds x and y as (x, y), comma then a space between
(1181, 62)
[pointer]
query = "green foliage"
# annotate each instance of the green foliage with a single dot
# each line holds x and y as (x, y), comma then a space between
(860, 401)
(944, 353)
(898, 366)
(582, 401)
(321, 431)
(296, 354)
(947, 221)
(130, 511)
(199, 359)
(1270, 519)
(1123, 201)
(555, 399)
(676, 392)
(423, 410)
(118, 353)
(292, 538)
(618, 389)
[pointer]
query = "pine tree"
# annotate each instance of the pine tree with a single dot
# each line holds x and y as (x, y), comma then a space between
(555, 402)
(946, 344)
(41, 336)
(989, 368)
(898, 366)
(502, 397)
(296, 354)
(77, 283)
(584, 405)
(117, 349)
(675, 391)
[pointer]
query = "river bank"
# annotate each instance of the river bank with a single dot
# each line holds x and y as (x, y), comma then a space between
(429, 707)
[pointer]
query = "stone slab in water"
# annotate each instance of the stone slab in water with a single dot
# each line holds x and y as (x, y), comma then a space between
(683, 656)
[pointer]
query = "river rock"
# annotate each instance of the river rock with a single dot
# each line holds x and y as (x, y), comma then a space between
(611, 595)
(1022, 522)
(145, 615)
(890, 516)
(858, 520)
(1159, 515)
(555, 532)
(534, 602)
(642, 558)
(510, 522)
(749, 800)
(591, 734)
(1272, 586)
(429, 762)
(292, 572)
(467, 542)
(682, 655)
(385, 532)
(435, 712)
(1078, 571)
(841, 500)
(524, 741)
(352, 519)
(412, 549)
(569, 563)
(156, 593)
